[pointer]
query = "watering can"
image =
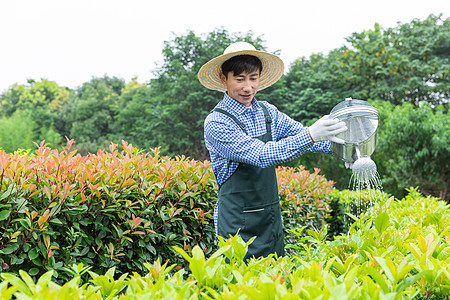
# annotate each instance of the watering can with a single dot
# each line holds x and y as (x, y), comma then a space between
(360, 138)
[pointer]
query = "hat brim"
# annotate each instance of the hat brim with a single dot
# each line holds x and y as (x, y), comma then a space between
(272, 69)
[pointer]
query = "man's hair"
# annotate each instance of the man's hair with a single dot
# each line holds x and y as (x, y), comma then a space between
(241, 63)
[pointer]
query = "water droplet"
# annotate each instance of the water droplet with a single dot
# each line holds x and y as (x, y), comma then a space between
(366, 181)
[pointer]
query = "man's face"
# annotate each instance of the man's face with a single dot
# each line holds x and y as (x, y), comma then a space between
(242, 87)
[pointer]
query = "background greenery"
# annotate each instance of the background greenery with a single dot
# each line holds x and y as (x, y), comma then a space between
(403, 71)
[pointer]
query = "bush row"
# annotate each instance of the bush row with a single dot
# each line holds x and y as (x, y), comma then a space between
(305, 200)
(400, 250)
(122, 208)
(107, 209)
(348, 205)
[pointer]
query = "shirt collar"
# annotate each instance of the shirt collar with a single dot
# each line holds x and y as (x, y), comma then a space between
(237, 107)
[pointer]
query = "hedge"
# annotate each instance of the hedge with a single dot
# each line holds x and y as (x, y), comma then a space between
(347, 205)
(305, 200)
(105, 209)
(122, 208)
(400, 250)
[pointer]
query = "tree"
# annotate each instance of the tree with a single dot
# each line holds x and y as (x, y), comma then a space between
(311, 87)
(408, 63)
(172, 114)
(17, 131)
(41, 102)
(131, 116)
(90, 112)
(413, 148)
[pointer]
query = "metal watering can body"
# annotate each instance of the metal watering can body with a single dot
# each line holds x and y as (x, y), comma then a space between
(360, 138)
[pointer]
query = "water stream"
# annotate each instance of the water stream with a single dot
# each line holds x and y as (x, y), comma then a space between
(366, 181)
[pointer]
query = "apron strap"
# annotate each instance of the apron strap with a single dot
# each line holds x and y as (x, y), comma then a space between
(242, 125)
(268, 119)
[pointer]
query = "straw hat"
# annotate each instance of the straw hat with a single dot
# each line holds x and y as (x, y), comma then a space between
(272, 67)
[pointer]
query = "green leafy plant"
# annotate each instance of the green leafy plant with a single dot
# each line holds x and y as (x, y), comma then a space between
(399, 250)
(121, 209)
(111, 209)
(347, 205)
(304, 199)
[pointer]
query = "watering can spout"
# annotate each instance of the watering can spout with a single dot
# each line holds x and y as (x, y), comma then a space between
(357, 152)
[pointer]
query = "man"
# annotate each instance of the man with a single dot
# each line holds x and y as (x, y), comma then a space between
(247, 139)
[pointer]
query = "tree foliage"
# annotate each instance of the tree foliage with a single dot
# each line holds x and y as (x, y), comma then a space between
(16, 131)
(409, 63)
(37, 105)
(171, 112)
(90, 112)
(44, 94)
(413, 148)
(131, 115)
(406, 64)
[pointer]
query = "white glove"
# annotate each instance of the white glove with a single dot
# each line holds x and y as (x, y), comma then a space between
(326, 129)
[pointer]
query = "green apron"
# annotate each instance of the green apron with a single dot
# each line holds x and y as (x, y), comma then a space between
(249, 203)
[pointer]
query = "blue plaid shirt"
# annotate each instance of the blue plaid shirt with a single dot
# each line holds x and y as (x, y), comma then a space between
(228, 144)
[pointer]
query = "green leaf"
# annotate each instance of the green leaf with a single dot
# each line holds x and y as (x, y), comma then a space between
(216, 254)
(382, 222)
(45, 278)
(378, 278)
(33, 253)
(238, 276)
(37, 262)
(409, 281)
(15, 281)
(386, 268)
(349, 280)
(4, 214)
(33, 271)
(58, 265)
(6, 193)
(197, 263)
(43, 249)
(56, 221)
(10, 248)
(84, 251)
(13, 259)
(26, 223)
(7, 292)
(22, 202)
(183, 253)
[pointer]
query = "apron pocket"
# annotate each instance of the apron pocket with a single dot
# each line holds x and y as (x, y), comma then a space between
(259, 221)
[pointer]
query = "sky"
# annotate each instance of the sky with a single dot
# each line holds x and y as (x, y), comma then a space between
(71, 41)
